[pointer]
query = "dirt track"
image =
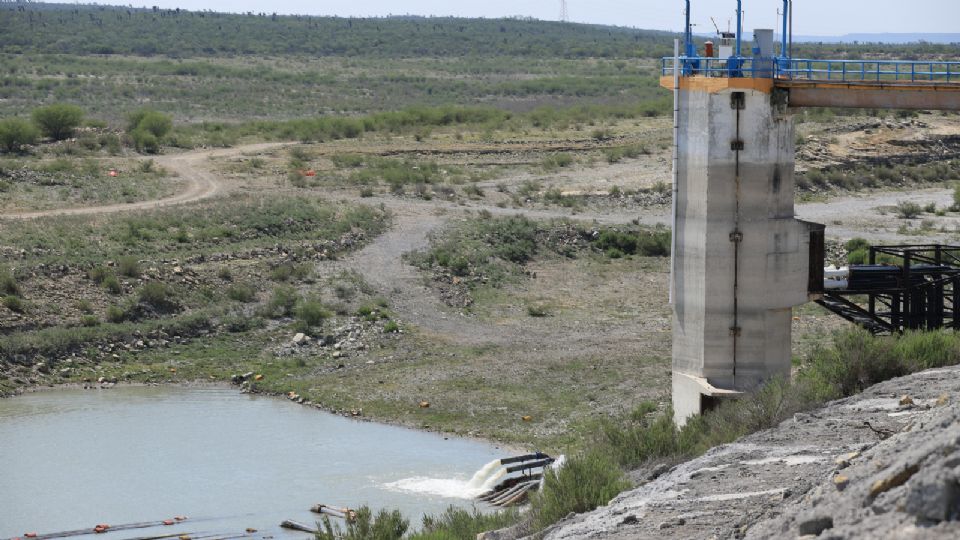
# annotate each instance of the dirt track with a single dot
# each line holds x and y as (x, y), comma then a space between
(200, 184)
(381, 263)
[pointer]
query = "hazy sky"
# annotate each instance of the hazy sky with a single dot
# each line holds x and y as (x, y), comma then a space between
(811, 17)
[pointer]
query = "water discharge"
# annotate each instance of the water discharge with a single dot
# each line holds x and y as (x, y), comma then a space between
(480, 477)
(482, 481)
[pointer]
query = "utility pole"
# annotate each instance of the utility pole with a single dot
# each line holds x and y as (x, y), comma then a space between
(564, 14)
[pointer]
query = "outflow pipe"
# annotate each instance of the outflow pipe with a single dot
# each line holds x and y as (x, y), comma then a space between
(527, 457)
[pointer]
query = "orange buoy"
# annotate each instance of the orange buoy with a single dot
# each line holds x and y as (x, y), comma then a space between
(310, 173)
(114, 173)
(30, 535)
(168, 522)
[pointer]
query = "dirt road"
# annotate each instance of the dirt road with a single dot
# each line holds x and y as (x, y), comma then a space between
(200, 184)
(381, 263)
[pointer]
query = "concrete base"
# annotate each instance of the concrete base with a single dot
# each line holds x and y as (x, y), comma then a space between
(692, 395)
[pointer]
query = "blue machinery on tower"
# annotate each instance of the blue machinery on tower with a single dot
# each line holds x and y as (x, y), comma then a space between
(891, 84)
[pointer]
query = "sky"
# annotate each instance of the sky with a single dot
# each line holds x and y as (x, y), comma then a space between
(811, 17)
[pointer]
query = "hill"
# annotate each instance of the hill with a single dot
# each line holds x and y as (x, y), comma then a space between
(92, 29)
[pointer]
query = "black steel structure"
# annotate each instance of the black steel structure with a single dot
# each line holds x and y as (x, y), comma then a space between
(908, 287)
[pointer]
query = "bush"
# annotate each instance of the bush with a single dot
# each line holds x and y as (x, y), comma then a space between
(584, 483)
(128, 266)
(241, 292)
(14, 303)
(58, 121)
(281, 303)
(145, 141)
(908, 210)
(89, 321)
(8, 283)
(98, 274)
(150, 121)
(112, 284)
(385, 526)
(858, 256)
(156, 295)
(391, 327)
(16, 133)
(116, 314)
(457, 523)
(312, 313)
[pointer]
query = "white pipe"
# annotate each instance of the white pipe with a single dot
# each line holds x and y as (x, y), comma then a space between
(676, 162)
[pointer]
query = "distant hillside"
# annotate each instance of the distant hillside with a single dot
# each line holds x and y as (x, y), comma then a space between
(91, 29)
(893, 39)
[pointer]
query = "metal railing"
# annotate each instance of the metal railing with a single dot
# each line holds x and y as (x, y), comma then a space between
(820, 70)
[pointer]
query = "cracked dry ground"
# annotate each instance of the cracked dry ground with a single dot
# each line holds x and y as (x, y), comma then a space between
(821, 474)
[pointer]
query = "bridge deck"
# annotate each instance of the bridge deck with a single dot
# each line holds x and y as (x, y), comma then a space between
(871, 84)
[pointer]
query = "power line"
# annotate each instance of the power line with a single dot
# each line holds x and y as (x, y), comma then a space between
(564, 14)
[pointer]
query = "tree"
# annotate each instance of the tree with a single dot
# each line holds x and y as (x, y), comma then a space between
(15, 133)
(147, 127)
(58, 121)
(148, 120)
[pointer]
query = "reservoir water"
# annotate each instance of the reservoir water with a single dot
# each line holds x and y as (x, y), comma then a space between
(73, 459)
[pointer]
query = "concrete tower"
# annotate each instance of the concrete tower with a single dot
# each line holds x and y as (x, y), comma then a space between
(742, 259)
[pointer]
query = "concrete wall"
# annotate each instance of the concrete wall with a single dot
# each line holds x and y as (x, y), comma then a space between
(770, 267)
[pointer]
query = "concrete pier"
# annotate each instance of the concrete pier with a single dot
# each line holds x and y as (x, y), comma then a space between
(742, 260)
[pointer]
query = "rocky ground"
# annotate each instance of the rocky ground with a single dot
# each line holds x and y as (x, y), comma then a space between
(882, 464)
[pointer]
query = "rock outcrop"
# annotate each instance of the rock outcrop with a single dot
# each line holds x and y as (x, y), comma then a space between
(882, 464)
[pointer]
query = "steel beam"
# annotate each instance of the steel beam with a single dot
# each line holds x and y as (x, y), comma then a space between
(863, 96)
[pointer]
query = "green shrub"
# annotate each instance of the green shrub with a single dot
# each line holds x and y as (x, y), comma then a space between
(116, 314)
(145, 141)
(584, 483)
(858, 256)
(392, 327)
(384, 526)
(156, 295)
(15, 133)
(908, 210)
(225, 273)
(112, 284)
(89, 321)
(537, 310)
(98, 274)
(150, 121)
(287, 271)
(281, 303)
(58, 121)
(312, 313)
(241, 292)
(8, 283)
(128, 266)
(460, 524)
(856, 243)
(14, 303)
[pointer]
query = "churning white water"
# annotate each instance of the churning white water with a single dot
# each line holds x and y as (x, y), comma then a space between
(485, 472)
(482, 481)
